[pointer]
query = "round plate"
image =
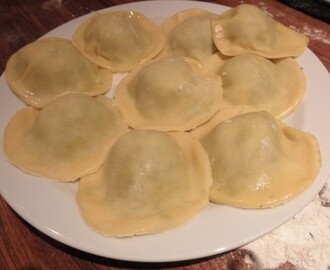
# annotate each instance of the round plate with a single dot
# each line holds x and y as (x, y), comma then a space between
(50, 206)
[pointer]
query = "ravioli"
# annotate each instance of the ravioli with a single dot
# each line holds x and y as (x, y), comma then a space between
(248, 29)
(169, 94)
(119, 40)
(222, 115)
(48, 68)
(152, 181)
(65, 140)
(276, 86)
(189, 34)
(258, 162)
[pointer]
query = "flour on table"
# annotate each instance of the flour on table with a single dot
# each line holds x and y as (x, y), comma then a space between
(52, 4)
(314, 33)
(303, 241)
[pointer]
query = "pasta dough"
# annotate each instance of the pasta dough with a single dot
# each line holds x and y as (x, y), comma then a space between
(48, 68)
(169, 94)
(119, 40)
(258, 162)
(222, 115)
(189, 34)
(248, 29)
(152, 181)
(276, 86)
(65, 140)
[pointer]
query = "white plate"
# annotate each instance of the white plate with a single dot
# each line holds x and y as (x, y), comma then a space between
(50, 206)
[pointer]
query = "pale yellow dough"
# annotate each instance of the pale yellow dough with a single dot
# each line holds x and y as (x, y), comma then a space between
(65, 140)
(248, 29)
(257, 161)
(169, 94)
(189, 34)
(222, 115)
(119, 40)
(152, 181)
(48, 68)
(277, 86)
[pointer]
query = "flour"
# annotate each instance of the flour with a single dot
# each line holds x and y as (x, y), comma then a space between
(268, 10)
(303, 241)
(52, 4)
(314, 33)
(11, 37)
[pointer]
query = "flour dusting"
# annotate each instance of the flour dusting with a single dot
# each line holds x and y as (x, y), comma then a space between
(314, 33)
(303, 241)
(52, 4)
(11, 37)
(265, 7)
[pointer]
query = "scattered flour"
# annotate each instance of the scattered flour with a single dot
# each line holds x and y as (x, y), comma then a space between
(51, 4)
(11, 37)
(314, 33)
(265, 7)
(303, 241)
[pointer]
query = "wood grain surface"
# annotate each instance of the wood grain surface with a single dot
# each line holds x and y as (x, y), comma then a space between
(22, 246)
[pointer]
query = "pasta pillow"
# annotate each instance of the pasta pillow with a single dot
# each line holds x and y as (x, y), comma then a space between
(119, 40)
(48, 68)
(257, 161)
(65, 140)
(169, 94)
(189, 34)
(152, 181)
(248, 29)
(277, 86)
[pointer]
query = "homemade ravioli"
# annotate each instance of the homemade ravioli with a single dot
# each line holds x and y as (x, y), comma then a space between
(276, 86)
(119, 40)
(189, 34)
(169, 94)
(65, 140)
(222, 115)
(152, 181)
(248, 29)
(258, 162)
(48, 68)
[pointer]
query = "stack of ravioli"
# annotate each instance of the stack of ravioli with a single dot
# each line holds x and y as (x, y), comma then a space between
(196, 119)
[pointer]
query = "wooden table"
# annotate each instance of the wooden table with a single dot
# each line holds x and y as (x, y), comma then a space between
(21, 22)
